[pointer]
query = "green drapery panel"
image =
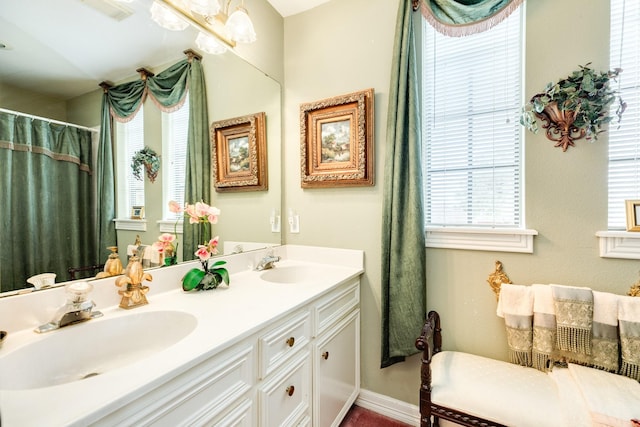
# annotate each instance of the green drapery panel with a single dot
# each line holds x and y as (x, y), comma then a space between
(105, 186)
(168, 91)
(198, 171)
(403, 241)
(464, 17)
(47, 199)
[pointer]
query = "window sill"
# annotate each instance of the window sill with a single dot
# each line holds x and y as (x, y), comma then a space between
(131, 224)
(619, 244)
(170, 226)
(480, 239)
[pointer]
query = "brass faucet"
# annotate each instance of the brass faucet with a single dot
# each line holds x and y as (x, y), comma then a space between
(133, 294)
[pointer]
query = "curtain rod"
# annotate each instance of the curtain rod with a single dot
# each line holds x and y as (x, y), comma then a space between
(17, 113)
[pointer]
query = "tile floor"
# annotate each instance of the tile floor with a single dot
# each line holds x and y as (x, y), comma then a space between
(361, 417)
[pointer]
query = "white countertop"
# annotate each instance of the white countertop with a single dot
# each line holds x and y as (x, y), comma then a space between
(225, 316)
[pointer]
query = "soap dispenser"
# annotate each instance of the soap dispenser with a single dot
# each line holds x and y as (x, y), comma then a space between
(113, 266)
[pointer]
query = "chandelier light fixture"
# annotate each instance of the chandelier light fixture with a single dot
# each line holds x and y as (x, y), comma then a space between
(217, 30)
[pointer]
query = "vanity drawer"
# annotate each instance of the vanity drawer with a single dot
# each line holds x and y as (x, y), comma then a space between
(284, 399)
(335, 306)
(282, 342)
(206, 391)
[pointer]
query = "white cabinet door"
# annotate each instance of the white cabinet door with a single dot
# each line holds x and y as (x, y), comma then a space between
(336, 371)
(285, 397)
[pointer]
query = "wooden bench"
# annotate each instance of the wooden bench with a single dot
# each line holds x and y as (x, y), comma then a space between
(472, 390)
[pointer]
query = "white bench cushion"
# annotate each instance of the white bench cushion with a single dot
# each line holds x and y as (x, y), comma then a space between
(495, 390)
(612, 400)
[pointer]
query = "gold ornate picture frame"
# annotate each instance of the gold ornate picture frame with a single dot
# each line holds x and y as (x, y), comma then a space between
(239, 154)
(633, 215)
(336, 147)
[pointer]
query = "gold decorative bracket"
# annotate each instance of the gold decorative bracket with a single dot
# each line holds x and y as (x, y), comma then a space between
(497, 278)
(560, 126)
(634, 291)
(144, 73)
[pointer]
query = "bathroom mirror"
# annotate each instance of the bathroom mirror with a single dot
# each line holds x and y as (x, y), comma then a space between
(56, 54)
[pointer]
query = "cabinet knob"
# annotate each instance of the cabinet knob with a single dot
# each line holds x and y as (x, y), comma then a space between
(325, 355)
(291, 341)
(290, 390)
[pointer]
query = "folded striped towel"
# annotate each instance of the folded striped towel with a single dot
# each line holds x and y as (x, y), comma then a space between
(544, 328)
(604, 340)
(574, 318)
(629, 319)
(515, 305)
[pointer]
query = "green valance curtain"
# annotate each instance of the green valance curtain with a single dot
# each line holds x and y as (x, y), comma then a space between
(464, 17)
(168, 90)
(403, 242)
(47, 202)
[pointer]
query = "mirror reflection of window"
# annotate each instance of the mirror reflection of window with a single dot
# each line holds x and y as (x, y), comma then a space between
(130, 138)
(174, 147)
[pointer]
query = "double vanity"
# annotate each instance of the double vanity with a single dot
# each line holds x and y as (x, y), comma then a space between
(276, 347)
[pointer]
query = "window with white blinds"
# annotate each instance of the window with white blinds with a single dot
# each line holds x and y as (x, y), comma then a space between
(472, 139)
(130, 137)
(175, 131)
(624, 140)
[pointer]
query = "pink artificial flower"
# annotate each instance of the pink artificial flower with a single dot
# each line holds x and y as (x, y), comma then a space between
(174, 207)
(203, 253)
(201, 209)
(191, 211)
(213, 245)
(158, 246)
(212, 215)
(167, 238)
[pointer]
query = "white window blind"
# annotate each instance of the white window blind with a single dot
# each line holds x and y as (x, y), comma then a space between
(130, 136)
(624, 140)
(175, 131)
(471, 132)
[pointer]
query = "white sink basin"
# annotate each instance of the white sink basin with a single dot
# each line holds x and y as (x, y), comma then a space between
(293, 274)
(92, 348)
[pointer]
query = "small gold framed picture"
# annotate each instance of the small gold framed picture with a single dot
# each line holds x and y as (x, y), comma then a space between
(239, 154)
(137, 212)
(633, 215)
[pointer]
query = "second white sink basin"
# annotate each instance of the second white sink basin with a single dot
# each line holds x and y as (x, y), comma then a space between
(92, 348)
(293, 274)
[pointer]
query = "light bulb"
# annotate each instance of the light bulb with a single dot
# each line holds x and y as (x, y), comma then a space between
(210, 44)
(205, 7)
(166, 18)
(240, 27)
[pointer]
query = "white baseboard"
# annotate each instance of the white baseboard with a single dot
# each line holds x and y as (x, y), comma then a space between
(389, 407)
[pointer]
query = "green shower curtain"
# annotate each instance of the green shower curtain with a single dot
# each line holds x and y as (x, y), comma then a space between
(168, 91)
(47, 199)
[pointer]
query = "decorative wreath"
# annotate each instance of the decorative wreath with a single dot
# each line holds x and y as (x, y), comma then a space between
(151, 162)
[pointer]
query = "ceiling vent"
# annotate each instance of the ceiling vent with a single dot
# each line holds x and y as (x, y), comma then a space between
(111, 8)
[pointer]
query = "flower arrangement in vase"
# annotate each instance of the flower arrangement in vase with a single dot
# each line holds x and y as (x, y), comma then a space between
(167, 249)
(210, 276)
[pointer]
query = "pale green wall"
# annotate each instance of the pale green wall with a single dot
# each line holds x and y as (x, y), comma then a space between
(266, 53)
(346, 45)
(25, 101)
